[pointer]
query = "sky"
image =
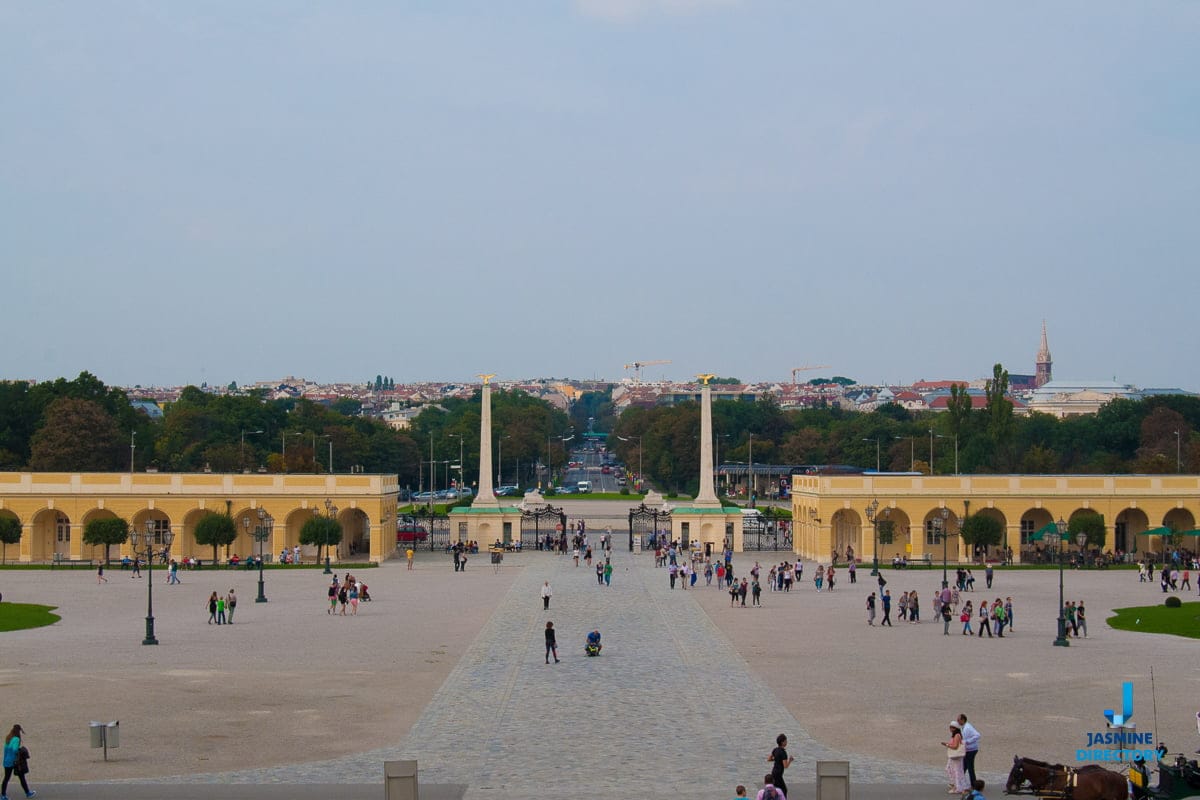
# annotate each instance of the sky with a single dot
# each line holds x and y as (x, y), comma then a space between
(231, 191)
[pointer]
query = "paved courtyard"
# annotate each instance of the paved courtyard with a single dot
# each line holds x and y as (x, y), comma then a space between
(448, 668)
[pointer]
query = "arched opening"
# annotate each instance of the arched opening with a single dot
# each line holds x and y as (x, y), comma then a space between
(288, 534)
(356, 533)
(1034, 550)
(51, 533)
(1179, 520)
(5, 548)
(185, 544)
(1128, 530)
(900, 545)
(97, 551)
(246, 520)
(157, 524)
(942, 541)
(981, 553)
(846, 534)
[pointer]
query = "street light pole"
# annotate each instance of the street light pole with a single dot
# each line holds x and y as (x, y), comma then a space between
(750, 473)
(459, 436)
(283, 446)
(876, 440)
(873, 515)
(1060, 535)
(1178, 454)
(143, 544)
(330, 511)
(261, 532)
(242, 451)
(931, 450)
(941, 527)
(912, 451)
(133, 448)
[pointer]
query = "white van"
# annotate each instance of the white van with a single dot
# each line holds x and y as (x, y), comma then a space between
(753, 520)
(583, 487)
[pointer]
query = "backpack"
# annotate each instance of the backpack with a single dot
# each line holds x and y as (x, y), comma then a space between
(770, 793)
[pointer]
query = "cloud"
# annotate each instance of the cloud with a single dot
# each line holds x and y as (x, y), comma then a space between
(629, 10)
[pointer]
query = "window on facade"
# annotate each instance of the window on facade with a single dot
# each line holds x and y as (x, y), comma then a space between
(62, 528)
(161, 526)
(930, 535)
(1027, 530)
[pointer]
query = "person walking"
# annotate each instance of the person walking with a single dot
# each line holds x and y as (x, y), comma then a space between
(743, 588)
(779, 761)
(608, 573)
(985, 624)
(173, 573)
(829, 578)
(756, 593)
(971, 743)
(946, 617)
(16, 759)
(1008, 614)
(551, 643)
(914, 609)
(137, 568)
(965, 619)
(231, 604)
(353, 596)
(853, 569)
(343, 597)
(100, 575)
(871, 609)
(220, 609)
(987, 574)
(456, 553)
(408, 554)
(672, 574)
(904, 606)
(547, 593)
(1080, 620)
(887, 608)
(955, 755)
(818, 577)
(333, 595)
(1186, 580)
(212, 608)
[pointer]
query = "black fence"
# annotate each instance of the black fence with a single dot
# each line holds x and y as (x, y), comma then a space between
(540, 525)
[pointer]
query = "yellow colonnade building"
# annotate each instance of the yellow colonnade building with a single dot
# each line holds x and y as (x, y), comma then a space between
(829, 511)
(53, 509)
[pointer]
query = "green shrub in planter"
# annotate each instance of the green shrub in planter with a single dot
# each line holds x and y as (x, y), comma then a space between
(1173, 602)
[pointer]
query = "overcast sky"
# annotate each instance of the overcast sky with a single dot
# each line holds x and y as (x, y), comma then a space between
(244, 190)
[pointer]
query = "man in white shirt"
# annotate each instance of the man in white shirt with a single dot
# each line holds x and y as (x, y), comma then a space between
(971, 740)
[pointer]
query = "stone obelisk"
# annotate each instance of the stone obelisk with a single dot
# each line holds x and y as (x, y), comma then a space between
(485, 496)
(707, 498)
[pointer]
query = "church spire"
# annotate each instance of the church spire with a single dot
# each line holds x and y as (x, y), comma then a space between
(1044, 364)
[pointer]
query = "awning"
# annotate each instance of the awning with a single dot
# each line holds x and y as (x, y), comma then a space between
(1041, 532)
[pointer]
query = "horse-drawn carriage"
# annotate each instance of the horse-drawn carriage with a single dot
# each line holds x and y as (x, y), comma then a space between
(1179, 780)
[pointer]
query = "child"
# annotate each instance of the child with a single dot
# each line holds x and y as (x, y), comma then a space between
(976, 792)
(739, 793)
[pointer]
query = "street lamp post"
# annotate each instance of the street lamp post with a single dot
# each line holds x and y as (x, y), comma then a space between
(1178, 453)
(262, 531)
(459, 436)
(750, 498)
(931, 450)
(876, 441)
(242, 451)
(955, 437)
(639, 441)
(283, 445)
(1058, 537)
(941, 529)
(873, 515)
(143, 544)
(331, 512)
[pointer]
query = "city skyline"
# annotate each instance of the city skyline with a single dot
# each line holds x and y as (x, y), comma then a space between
(232, 192)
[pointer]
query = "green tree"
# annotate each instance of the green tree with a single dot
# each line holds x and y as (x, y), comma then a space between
(215, 530)
(10, 533)
(106, 531)
(1000, 416)
(77, 435)
(983, 531)
(1092, 524)
(321, 532)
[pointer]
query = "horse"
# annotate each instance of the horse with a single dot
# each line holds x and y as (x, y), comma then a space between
(1091, 782)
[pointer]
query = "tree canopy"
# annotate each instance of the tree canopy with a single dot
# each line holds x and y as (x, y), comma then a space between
(10, 533)
(321, 532)
(215, 530)
(106, 531)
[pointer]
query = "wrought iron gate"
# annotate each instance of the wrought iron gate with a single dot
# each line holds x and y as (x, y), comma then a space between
(648, 523)
(538, 523)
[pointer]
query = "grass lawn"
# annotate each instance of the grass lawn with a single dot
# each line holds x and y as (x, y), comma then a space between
(1182, 621)
(19, 616)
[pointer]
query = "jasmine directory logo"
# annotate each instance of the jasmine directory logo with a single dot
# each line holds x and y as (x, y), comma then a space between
(1120, 742)
(1126, 707)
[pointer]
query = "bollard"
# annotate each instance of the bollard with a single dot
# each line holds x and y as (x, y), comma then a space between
(400, 780)
(833, 780)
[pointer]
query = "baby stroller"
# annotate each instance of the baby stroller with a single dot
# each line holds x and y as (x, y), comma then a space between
(593, 647)
(363, 594)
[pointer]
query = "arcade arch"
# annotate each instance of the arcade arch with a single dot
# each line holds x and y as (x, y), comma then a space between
(981, 553)
(900, 546)
(1128, 531)
(846, 531)
(50, 533)
(356, 532)
(6, 514)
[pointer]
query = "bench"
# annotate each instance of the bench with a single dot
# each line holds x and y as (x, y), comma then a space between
(61, 560)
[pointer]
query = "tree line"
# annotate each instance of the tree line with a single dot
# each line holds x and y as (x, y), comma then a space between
(82, 425)
(1124, 437)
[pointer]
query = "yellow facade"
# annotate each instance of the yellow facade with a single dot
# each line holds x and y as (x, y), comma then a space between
(53, 509)
(829, 511)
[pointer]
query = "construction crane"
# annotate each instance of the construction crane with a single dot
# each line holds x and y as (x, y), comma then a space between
(806, 369)
(637, 367)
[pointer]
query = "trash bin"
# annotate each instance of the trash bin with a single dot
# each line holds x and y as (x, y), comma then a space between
(400, 780)
(833, 780)
(96, 732)
(104, 735)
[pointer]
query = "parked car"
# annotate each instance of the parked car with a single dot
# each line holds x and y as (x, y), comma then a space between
(505, 491)
(409, 532)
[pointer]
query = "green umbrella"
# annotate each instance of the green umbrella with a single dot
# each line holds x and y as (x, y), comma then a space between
(1189, 533)
(1040, 533)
